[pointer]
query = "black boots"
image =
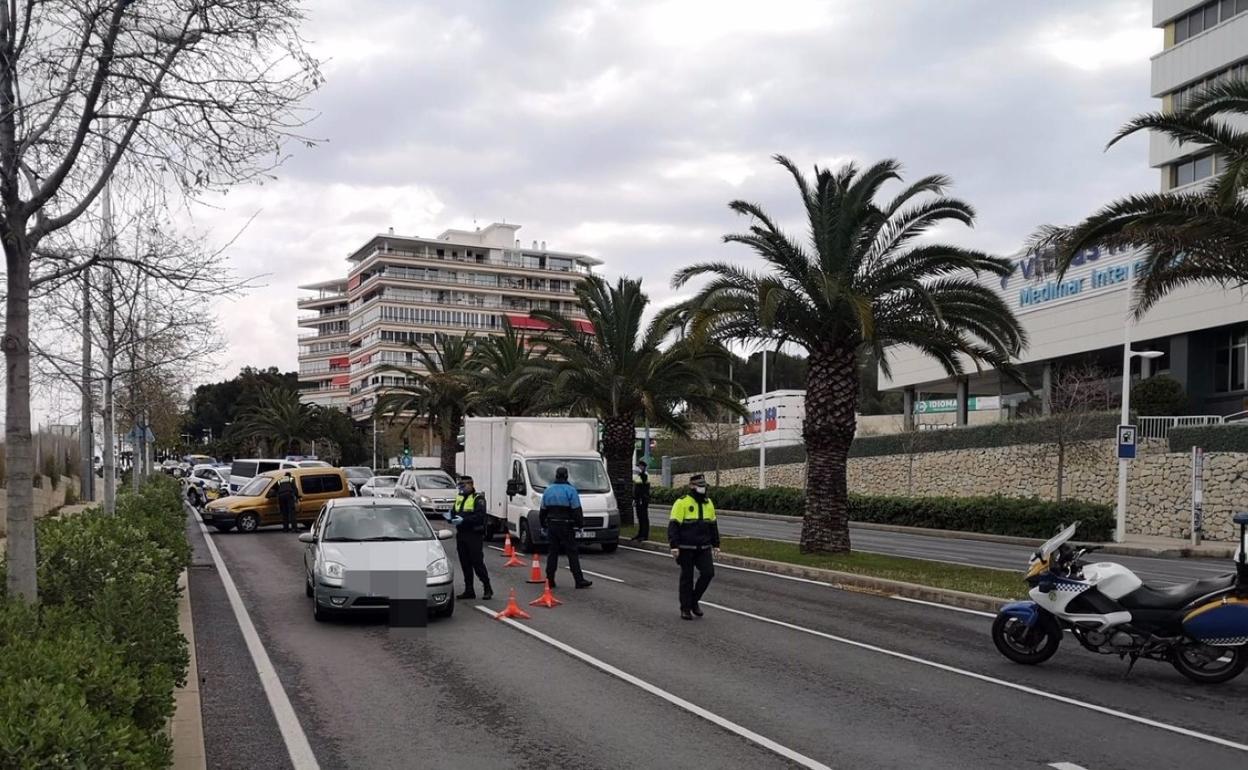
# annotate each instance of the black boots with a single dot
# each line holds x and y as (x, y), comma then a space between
(489, 594)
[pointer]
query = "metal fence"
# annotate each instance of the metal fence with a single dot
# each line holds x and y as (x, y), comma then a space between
(1159, 427)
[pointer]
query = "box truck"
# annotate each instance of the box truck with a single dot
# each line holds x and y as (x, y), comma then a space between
(513, 459)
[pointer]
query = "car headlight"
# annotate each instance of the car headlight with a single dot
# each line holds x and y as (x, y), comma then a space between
(425, 500)
(331, 572)
(439, 568)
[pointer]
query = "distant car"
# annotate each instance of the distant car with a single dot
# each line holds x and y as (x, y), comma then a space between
(358, 534)
(433, 490)
(357, 475)
(379, 486)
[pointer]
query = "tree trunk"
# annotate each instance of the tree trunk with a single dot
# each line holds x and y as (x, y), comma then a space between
(619, 435)
(828, 430)
(449, 439)
(86, 433)
(1061, 467)
(110, 400)
(22, 579)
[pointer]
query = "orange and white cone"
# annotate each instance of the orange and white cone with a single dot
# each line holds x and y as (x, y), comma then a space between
(512, 610)
(535, 572)
(514, 561)
(509, 550)
(547, 599)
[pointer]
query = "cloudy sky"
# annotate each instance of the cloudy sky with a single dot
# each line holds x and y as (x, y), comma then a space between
(621, 128)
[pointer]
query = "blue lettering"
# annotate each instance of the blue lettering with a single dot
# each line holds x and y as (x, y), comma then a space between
(1028, 266)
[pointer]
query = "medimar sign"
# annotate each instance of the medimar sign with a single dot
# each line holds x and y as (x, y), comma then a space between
(1094, 271)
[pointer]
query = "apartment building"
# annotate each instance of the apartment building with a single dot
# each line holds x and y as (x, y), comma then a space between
(402, 290)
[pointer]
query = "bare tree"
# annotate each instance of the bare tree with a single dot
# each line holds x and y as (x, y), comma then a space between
(192, 95)
(1080, 394)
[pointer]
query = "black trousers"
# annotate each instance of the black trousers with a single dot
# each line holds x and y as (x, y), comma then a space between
(642, 508)
(563, 538)
(690, 558)
(287, 506)
(471, 548)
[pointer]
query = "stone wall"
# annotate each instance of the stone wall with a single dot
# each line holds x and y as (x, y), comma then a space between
(46, 499)
(1159, 482)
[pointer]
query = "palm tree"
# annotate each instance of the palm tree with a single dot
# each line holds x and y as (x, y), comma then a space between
(862, 282)
(621, 370)
(1186, 238)
(509, 378)
(439, 391)
(278, 420)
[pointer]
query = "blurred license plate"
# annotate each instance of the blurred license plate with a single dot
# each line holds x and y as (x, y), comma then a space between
(584, 535)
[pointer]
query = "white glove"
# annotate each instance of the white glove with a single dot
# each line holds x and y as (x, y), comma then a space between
(675, 553)
(715, 553)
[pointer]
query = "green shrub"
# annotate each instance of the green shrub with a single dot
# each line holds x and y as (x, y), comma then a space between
(108, 592)
(1010, 433)
(1232, 437)
(1160, 396)
(991, 515)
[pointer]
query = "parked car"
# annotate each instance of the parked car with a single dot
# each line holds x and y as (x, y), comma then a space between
(379, 486)
(255, 504)
(433, 490)
(357, 475)
(207, 482)
(242, 471)
(357, 535)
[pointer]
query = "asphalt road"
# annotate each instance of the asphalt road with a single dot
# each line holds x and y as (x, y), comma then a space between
(780, 673)
(974, 552)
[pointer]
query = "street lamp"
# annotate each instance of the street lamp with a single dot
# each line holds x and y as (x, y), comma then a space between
(1120, 530)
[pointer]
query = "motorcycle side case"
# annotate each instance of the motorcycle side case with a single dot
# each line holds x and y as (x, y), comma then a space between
(1222, 622)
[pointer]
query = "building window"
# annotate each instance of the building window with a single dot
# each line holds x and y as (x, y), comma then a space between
(1206, 17)
(1192, 170)
(1231, 362)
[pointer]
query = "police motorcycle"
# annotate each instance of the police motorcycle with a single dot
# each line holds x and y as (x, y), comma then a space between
(1200, 628)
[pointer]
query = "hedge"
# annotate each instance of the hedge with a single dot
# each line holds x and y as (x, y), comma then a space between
(1019, 517)
(87, 677)
(1007, 433)
(1211, 438)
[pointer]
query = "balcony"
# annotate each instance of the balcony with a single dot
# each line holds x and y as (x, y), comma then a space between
(510, 261)
(502, 283)
(304, 320)
(321, 298)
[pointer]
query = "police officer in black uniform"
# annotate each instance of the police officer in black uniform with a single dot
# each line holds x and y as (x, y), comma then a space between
(468, 515)
(693, 536)
(641, 499)
(288, 501)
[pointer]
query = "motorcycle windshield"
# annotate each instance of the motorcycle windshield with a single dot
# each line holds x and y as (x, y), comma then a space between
(1048, 548)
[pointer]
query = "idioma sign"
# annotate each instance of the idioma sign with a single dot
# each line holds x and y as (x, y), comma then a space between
(1093, 271)
(944, 405)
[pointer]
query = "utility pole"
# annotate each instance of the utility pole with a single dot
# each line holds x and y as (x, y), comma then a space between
(762, 441)
(86, 428)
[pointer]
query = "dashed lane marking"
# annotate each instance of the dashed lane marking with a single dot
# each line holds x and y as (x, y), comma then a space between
(981, 613)
(718, 565)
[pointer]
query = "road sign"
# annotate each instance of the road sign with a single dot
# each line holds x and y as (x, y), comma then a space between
(1126, 442)
(407, 461)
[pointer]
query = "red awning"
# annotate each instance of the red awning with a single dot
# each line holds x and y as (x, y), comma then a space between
(339, 361)
(353, 282)
(527, 322)
(341, 380)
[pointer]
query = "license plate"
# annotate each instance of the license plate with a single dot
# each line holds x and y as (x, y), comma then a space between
(584, 535)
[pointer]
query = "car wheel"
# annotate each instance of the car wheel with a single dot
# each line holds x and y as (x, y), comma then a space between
(491, 529)
(248, 522)
(526, 538)
(448, 610)
(319, 613)
(224, 527)
(610, 547)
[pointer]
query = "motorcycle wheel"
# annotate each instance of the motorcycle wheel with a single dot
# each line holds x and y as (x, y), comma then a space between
(1021, 644)
(1204, 664)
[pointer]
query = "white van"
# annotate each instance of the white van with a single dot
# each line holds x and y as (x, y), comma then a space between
(242, 471)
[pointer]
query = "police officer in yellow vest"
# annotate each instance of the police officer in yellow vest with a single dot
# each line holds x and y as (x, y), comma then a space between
(468, 515)
(693, 536)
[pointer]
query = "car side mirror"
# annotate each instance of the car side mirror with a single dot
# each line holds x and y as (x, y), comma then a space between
(445, 534)
(513, 488)
(307, 537)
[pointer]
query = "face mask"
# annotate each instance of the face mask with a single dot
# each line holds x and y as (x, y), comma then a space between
(463, 490)
(700, 490)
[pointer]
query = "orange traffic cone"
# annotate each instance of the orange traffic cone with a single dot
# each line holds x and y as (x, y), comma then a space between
(535, 572)
(509, 550)
(512, 610)
(547, 599)
(514, 561)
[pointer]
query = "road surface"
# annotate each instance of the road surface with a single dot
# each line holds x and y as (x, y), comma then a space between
(974, 552)
(780, 673)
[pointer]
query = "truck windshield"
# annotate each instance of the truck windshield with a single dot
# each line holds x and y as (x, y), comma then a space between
(588, 476)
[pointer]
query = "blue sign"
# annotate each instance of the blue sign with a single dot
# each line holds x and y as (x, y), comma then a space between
(407, 461)
(1126, 442)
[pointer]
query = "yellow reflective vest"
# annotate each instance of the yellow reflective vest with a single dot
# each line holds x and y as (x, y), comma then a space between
(692, 524)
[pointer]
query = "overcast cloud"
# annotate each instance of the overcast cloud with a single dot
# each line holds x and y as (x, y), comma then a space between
(622, 129)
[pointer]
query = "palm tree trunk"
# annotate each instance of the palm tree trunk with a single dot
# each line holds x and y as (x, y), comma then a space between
(828, 430)
(618, 437)
(449, 438)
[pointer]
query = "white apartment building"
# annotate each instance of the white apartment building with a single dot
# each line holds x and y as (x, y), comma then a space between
(402, 290)
(1202, 331)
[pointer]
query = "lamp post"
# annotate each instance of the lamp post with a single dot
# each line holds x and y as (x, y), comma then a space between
(1120, 529)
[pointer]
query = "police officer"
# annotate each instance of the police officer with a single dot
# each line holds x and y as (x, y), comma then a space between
(641, 500)
(693, 536)
(468, 515)
(561, 516)
(288, 501)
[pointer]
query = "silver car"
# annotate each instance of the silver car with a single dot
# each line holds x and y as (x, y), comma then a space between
(379, 486)
(355, 538)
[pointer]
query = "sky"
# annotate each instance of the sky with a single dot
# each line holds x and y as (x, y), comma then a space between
(623, 128)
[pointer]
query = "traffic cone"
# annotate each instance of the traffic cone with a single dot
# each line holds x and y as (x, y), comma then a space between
(535, 572)
(514, 561)
(509, 550)
(512, 610)
(547, 599)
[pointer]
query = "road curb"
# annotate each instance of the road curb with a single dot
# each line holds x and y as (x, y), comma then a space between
(1183, 552)
(186, 728)
(851, 581)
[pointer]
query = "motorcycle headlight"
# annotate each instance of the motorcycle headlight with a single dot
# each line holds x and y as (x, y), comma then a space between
(439, 568)
(331, 572)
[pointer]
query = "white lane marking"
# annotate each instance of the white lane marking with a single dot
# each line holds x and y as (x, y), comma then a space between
(297, 745)
(992, 680)
(587, 572)
(1066, 766)
(718, 565)
(981, 613)
(677, 701)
